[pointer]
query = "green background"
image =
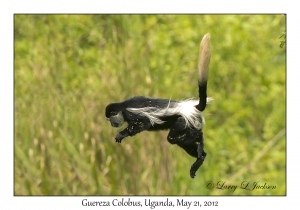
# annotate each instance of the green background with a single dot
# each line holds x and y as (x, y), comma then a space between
(69, 67)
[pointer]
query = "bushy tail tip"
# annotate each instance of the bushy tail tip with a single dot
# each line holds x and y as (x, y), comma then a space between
(203, 64)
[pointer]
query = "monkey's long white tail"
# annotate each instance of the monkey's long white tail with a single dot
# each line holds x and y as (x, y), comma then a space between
(203, 64)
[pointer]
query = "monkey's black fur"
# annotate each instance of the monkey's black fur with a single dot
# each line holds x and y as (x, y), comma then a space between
(189, 138)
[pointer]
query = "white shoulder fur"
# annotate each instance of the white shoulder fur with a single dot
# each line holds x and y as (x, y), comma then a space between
(193, 117)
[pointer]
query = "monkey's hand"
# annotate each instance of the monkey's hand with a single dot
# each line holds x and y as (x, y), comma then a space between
(120, 137)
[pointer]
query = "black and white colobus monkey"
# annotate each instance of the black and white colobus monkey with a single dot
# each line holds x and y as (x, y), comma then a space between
(183, 118)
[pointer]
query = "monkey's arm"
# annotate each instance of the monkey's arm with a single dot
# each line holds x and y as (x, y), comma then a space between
(132, 129)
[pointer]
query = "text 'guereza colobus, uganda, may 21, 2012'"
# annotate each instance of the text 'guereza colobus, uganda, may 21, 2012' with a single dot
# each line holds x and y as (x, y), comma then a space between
(183, 118)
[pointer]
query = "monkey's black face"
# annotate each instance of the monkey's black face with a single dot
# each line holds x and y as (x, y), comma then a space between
(116, 125)
(116, 120)
(114, 115)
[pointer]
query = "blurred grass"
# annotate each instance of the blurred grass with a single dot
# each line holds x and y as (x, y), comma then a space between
(69, 67)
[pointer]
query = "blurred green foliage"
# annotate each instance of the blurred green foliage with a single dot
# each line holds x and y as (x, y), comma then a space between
(69, 67)
(283, 39)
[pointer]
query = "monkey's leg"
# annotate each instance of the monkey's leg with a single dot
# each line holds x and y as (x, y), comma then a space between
(197, 164)
(196, 150)
(201, 154)
(189, 139)
(177, 133)
(132, 129)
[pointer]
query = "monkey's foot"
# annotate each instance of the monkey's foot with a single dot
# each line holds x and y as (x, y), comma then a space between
(192, 173)
(197, 165)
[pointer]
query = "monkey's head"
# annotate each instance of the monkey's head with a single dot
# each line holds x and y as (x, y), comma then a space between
(114, 114)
